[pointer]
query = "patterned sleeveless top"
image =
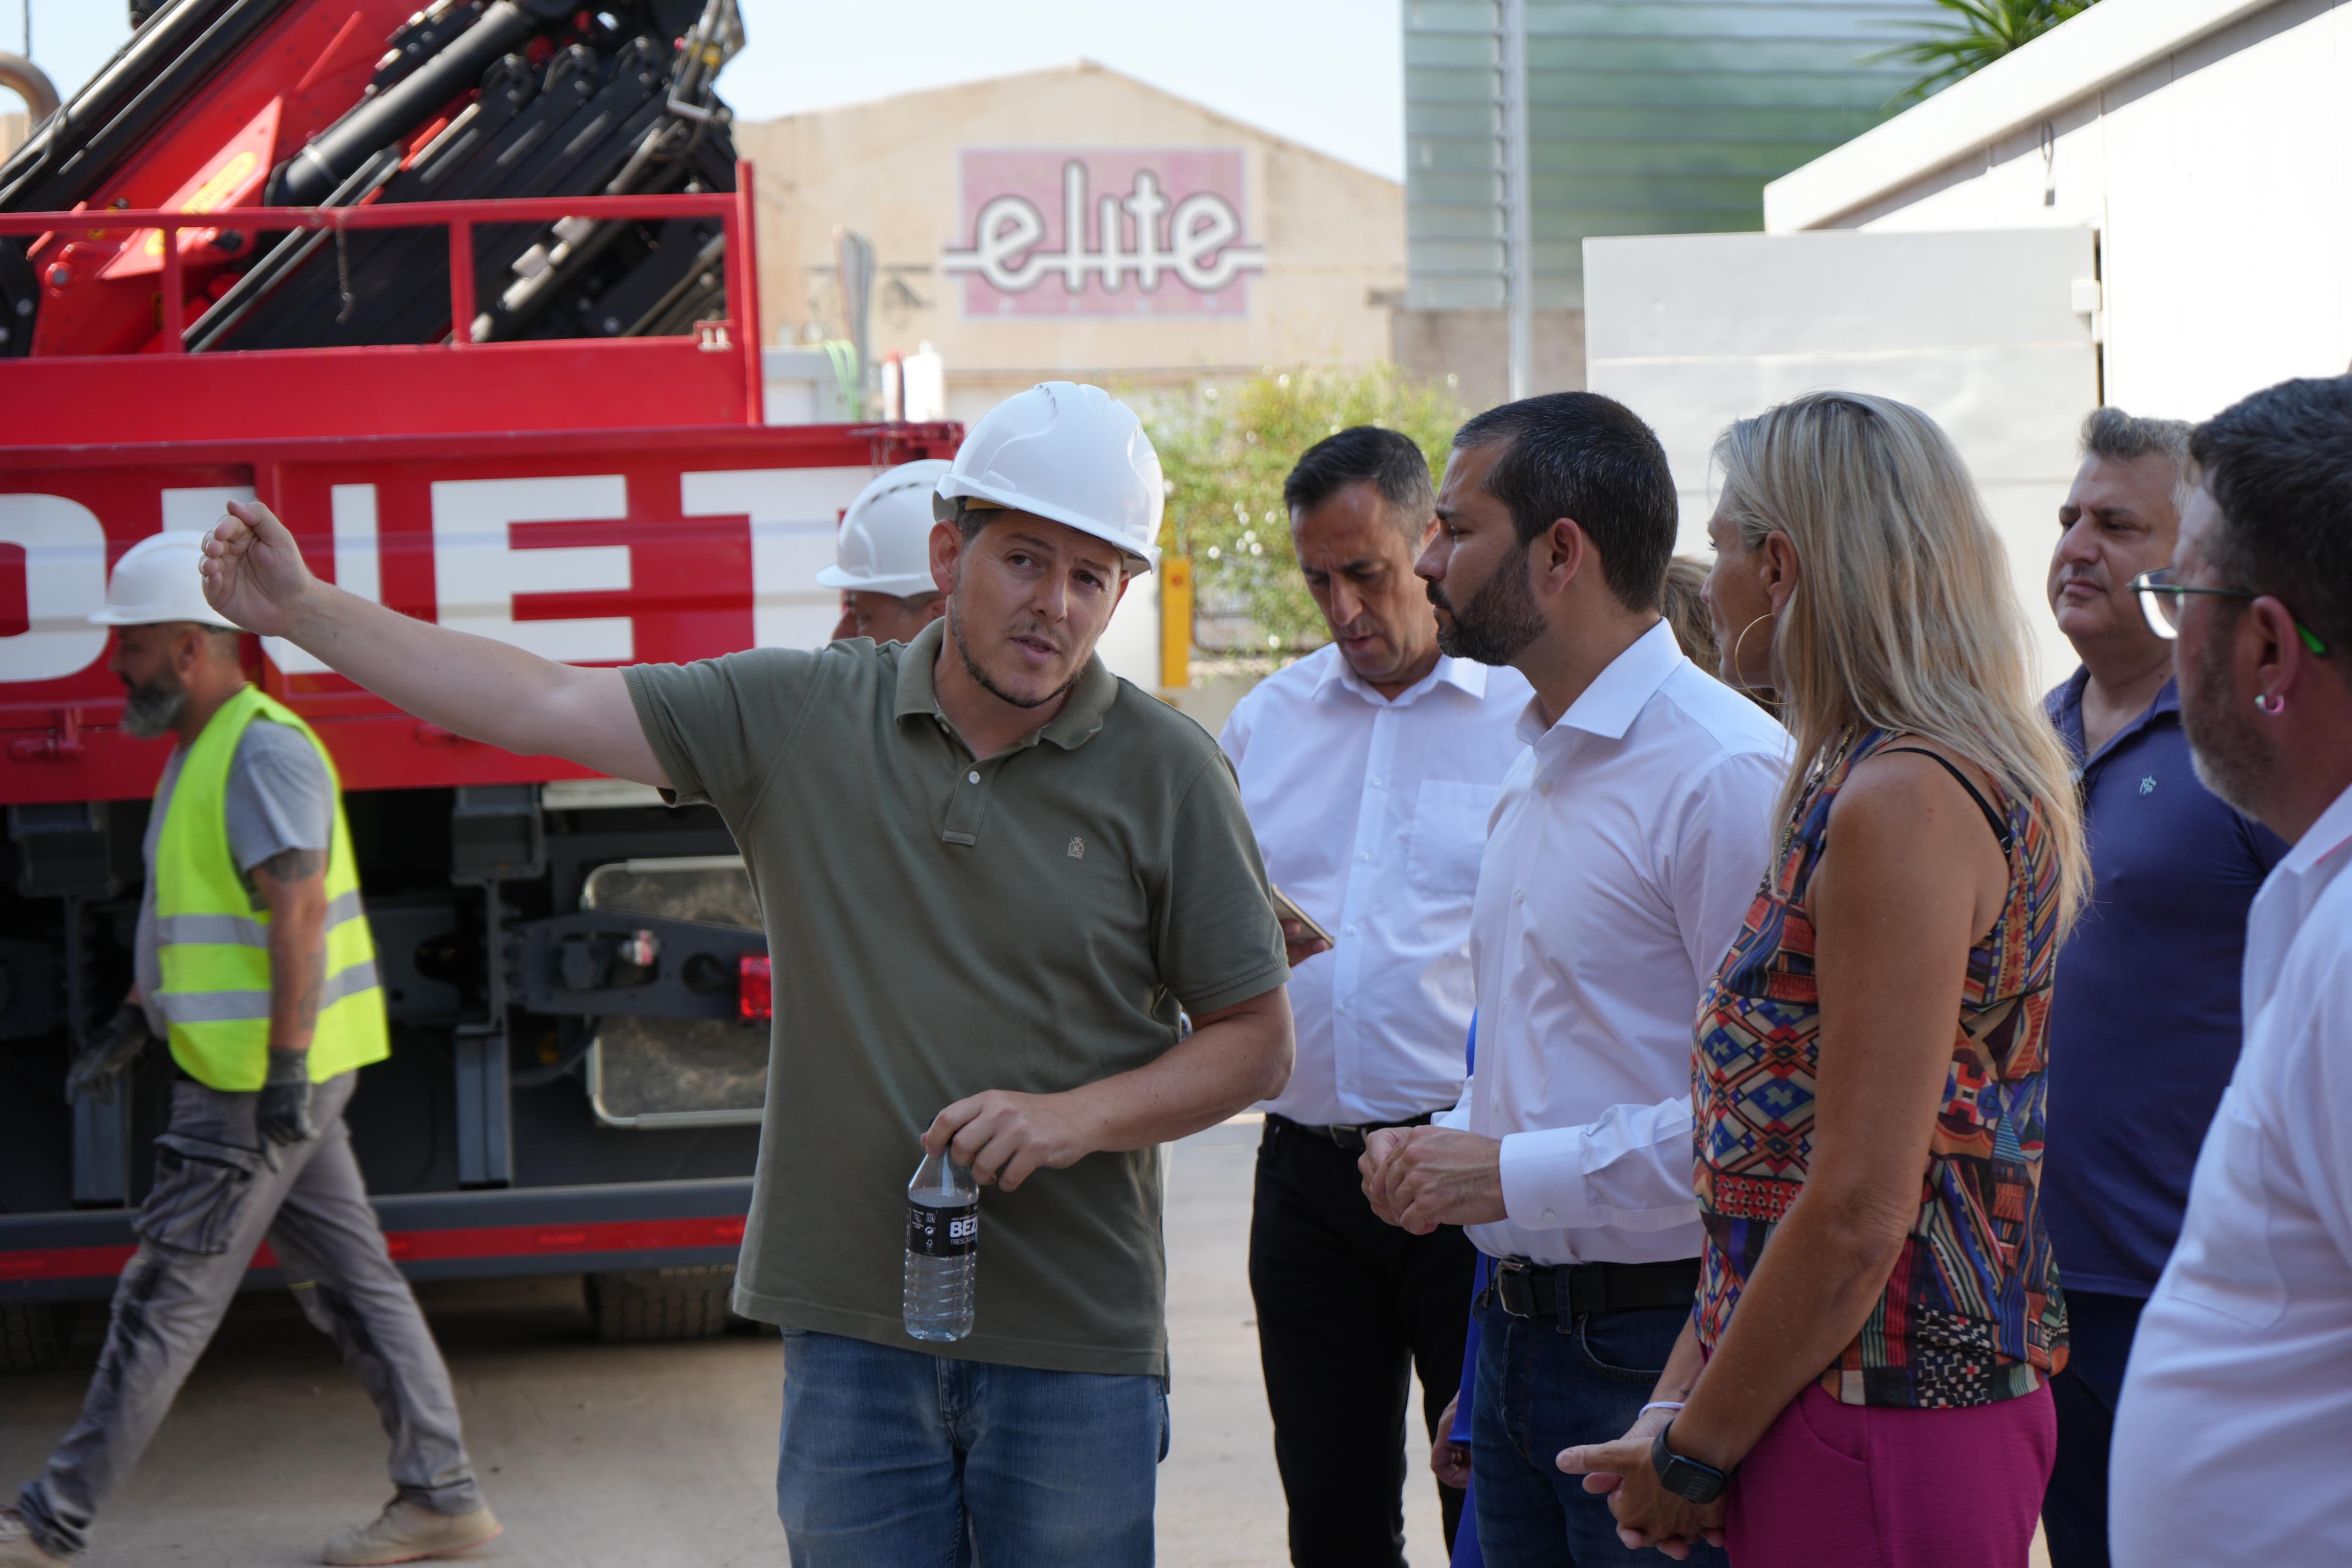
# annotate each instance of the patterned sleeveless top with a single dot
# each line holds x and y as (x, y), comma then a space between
(1972, 1312)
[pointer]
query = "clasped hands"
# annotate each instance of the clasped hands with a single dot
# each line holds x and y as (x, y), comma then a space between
(1422, 1177)
(1646, 1513)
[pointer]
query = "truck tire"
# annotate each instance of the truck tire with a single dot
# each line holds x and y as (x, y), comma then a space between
(640, 1304)
(33, 1336)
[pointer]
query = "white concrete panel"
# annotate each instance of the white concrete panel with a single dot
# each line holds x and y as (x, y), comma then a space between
(2228, 233)
(1830, 292)
(1978, 330)
(2211, 172)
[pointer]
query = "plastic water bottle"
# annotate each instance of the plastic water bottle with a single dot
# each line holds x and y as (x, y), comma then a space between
(942, 1249)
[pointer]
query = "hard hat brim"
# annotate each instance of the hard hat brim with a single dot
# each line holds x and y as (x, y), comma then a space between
(897, 587)
(953, 488)
(159, 616)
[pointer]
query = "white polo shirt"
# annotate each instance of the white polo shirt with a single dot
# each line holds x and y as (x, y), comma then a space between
(1627, 846)
(1371, 813)
(2234, 1438)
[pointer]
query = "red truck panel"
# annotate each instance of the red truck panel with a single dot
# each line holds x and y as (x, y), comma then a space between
(599, 501)
(604, 546)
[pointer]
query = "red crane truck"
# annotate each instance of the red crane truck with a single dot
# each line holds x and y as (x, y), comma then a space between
(467, 296)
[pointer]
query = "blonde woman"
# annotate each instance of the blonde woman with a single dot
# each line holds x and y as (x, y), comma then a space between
(1878, 1313)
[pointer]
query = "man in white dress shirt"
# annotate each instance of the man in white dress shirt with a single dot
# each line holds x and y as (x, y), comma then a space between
(1626, 848)
(2235, 1424)
(1367, 769)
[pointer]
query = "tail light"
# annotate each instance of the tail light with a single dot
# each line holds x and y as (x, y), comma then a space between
(754, 988)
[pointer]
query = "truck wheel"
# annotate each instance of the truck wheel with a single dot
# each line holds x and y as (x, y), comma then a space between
(637, 1304)
(33, 1336)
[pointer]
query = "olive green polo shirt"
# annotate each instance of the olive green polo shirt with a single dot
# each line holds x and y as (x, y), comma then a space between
(942, 925)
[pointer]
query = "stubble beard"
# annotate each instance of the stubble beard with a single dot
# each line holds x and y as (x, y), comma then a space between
(1501, 618)
(2225, 747)
(980, 677)
(152, 709)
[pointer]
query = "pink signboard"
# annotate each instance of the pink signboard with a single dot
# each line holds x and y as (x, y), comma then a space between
(1103, 231)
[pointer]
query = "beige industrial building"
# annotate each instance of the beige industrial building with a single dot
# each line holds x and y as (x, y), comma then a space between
(1202, 247)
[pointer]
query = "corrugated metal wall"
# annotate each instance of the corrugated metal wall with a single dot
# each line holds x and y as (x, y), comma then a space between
(1645, 117)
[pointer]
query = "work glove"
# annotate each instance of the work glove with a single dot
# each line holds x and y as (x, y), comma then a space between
(283, 1112)
(99, 1066)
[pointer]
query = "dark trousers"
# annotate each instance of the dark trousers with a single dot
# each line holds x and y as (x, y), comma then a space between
(1543, 1386)
(1348, 1307)
(2099, 1328)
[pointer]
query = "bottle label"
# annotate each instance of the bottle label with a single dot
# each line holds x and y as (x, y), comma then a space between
(943, 1233)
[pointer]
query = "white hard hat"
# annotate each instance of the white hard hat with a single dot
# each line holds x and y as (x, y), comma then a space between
(1068, 452)
(885, 544)
(156, 580)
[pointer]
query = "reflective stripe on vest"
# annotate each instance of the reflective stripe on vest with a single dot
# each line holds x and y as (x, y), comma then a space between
(214, 945)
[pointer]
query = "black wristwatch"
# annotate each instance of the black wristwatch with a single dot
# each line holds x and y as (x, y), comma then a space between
(1686, 1478)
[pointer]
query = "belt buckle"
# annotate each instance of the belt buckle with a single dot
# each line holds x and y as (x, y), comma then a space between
(1514, 1288)
(1349, 1139)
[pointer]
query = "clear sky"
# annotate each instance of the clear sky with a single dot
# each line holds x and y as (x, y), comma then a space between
(1328, 73)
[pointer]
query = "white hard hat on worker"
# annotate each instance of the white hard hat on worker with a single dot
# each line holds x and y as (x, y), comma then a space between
(884, 546)
(1069, 453)
(156, 582)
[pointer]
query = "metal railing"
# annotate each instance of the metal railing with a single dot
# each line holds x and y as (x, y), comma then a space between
(733, 208)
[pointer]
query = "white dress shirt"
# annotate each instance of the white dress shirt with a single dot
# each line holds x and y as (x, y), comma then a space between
(2234, 1438)
(1626, 848)
(1371, 814)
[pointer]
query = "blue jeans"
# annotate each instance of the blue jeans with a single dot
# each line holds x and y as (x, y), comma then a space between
(901, 1458)
(1542, 1387)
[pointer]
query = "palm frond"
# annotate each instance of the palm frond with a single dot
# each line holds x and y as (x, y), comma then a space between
(1981, 32)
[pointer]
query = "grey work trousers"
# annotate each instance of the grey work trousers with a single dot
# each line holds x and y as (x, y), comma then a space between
(215, 1198)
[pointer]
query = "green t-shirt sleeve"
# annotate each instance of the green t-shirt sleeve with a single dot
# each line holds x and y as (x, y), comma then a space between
(719, 725)
(1218, 942)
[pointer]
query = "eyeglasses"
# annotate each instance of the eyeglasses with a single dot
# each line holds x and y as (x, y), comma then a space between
(2160, 599)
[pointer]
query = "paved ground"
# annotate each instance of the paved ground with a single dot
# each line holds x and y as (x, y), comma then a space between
(643, 1455)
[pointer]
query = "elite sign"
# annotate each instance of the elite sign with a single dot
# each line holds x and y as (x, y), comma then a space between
(1120, 231)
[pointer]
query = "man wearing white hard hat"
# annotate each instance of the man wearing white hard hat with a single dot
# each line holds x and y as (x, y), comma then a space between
(882, 557)
(253, 960)
(991, 874)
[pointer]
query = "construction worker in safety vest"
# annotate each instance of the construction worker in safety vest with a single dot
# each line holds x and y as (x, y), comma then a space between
(882, 556)
(253, 960)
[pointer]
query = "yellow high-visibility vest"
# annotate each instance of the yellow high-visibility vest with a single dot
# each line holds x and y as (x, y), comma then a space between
(214, 944)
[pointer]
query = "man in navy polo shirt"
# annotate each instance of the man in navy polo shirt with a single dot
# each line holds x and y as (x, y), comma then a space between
(2144, 1027)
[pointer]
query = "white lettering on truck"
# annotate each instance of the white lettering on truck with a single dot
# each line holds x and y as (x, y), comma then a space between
(65, 580)
(477, 568)
(794, 514)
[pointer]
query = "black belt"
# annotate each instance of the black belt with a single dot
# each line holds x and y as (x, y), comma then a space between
(1351, 1139)
(1567, 1292)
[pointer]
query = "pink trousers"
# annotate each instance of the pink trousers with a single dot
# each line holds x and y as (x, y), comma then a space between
(1875, 1487)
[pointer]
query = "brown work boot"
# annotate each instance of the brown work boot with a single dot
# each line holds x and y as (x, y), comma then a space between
(17, 1547)
(404, 1532)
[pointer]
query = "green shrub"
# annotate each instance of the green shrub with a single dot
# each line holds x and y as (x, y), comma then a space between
(1225, 451)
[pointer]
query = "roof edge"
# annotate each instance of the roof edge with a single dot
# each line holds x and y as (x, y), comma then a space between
(2074, 59)
(1084, 65)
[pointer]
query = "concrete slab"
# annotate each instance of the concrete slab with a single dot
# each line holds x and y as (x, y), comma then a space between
(643, 1456)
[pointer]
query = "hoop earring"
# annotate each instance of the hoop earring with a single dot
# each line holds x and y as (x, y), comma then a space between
(2266, 703)
(1740, 641)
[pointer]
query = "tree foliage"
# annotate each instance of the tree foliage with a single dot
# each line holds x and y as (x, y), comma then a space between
(1981, 32)
(1225, 452)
